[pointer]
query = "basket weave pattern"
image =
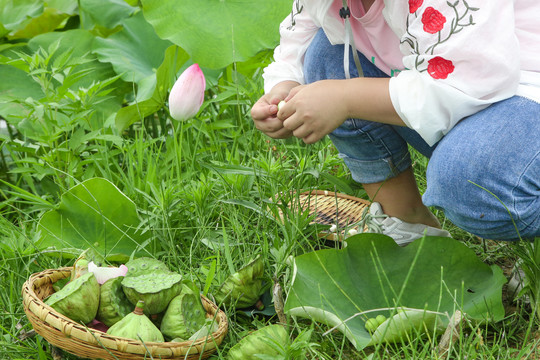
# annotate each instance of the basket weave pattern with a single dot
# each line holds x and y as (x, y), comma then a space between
(331, 208)
(76, 339)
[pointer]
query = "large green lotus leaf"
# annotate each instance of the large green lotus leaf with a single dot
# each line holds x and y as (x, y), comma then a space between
(93, 214)
(103, 13)
(64, 6)
(373, 272)
(48, 21)
(135, 52)
(15, 14)
(15, 85)
(54, 15)
(216, 33)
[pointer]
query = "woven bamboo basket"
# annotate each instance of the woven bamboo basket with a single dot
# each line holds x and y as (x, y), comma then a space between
(77, 339)
(333, 209)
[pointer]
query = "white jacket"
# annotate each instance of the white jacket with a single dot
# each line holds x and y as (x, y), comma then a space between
(457, 57)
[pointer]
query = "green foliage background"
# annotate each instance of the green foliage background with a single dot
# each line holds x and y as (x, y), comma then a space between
(83, 96)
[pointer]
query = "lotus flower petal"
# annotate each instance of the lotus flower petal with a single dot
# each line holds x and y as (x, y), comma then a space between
(187, 93)
(105, 273)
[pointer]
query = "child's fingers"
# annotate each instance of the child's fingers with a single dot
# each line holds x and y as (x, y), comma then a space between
(262, 110)
(311, 138)
(285, 110)
(293, 122)
(280, 134)
(293, 92)
(269, 125)
(275, 99)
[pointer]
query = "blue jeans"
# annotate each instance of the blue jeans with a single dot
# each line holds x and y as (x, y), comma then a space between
(484, 174)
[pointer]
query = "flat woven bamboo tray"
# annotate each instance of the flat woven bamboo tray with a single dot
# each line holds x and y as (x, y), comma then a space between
(76, 339)
(340, 211)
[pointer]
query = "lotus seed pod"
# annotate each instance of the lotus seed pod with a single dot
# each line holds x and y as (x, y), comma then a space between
(184, 316)
(243, 288)
(405, 324)
(380, 319)
(60, 283)
(113, 304)
(155, 289)
(138, 326)
(145, 265)
(79, 268)
(371, 325)
(210, 326)
(78, 300)
(261, 342)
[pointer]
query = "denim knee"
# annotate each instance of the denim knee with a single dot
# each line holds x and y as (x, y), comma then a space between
(466, 203)
(481, 176)
(373, 152)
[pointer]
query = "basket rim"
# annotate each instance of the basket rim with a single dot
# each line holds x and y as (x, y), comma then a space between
(58, 322)
(329, 202)
(333, 194)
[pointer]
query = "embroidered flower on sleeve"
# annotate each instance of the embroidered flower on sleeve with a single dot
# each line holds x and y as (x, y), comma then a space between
(445, 23)
(414, 5)
(433, 20)
(439, 67)
(297, 9)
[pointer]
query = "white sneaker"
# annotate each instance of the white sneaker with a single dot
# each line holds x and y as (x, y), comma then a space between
(402, 232)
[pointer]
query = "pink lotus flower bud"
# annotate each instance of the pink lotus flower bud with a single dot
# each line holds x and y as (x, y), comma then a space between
(187, 93)
(103, 274)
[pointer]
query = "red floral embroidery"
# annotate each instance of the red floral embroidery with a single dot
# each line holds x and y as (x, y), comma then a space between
(414, 5)
(433, 20)
(439, 68)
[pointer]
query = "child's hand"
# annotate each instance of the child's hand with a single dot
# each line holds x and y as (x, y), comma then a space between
(264, 111)
(315, 110)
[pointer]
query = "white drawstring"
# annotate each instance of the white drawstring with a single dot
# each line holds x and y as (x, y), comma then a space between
(346, 52)
(345, 14)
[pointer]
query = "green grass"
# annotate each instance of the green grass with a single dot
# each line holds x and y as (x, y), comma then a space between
(202, 188)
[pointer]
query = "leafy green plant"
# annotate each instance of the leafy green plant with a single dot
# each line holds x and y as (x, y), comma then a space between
(60, 122)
